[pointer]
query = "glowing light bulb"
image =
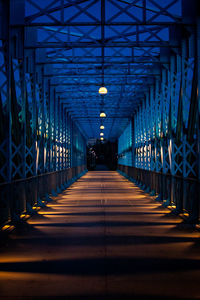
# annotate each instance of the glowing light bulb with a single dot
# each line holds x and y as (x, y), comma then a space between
(101, 133)
(102, 127)
(101, 138)
(102, 115)
(103, 90)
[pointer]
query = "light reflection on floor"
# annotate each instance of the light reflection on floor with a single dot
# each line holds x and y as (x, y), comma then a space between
(102, 236)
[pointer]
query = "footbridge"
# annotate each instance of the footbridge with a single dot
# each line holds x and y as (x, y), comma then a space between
(83, 83)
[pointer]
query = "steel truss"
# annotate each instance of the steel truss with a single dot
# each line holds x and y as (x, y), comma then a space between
(37, 133)
(91, 38)
(165, 128)
(55, 54)
(165, 140)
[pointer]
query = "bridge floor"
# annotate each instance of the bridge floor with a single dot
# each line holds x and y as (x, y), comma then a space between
(102, 237)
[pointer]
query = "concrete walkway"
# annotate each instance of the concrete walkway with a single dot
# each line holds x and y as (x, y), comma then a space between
(103, 238)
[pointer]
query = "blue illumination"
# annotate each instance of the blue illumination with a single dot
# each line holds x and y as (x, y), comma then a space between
(125, 154)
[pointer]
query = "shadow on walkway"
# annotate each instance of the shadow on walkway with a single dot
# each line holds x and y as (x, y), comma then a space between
(103, 238)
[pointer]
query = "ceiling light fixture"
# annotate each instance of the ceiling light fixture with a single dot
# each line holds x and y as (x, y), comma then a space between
(102, 115)
(103, 90)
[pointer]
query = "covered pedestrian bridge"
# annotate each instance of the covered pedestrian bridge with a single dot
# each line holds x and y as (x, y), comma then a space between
(80, 73)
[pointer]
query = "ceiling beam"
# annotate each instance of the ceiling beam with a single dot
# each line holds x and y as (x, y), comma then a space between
(72, 45)
(132, 23)
(122, 75)
(129, 63)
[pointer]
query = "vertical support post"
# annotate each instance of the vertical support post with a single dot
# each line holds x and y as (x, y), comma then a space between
(171, 119)
(133, 142)
(65, 134)
(198, 91)
(152, 128)
(147, 130)
(9, 110)
(183, 57)
(198, 103)
(62, 136)
(68, 140)
(34, 116)
(163, 121)
(157, 125)
(23, 87)
(58, 132)
(42, 103)
(71, 142)
(54, 131)
(49, 128)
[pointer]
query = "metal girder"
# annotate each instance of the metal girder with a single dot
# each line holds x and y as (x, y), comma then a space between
(82, 24)
(69, 4)
(108, 117)
(99, 75)
(54, 54)
(73, 45)
(92, 84)
(149, 13)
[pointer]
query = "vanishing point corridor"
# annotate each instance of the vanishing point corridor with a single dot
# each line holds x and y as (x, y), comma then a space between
(102, 237)
(99, 149)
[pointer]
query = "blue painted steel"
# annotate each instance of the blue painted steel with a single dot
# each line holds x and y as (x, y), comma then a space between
(54, 56)
(125, 155)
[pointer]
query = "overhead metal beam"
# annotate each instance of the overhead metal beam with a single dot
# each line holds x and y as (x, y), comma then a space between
(99, 75)
(94, 84)
(129, 63)
(97, 117)
(141, 23)
(54, 9)
(71, 45)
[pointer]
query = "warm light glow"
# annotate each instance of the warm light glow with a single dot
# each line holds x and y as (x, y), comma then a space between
(35, 208)
(24, 216)
(102, 115)
(101, 138)
(102, 127)
(101, 133)
(7, 227)
(103, 90)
